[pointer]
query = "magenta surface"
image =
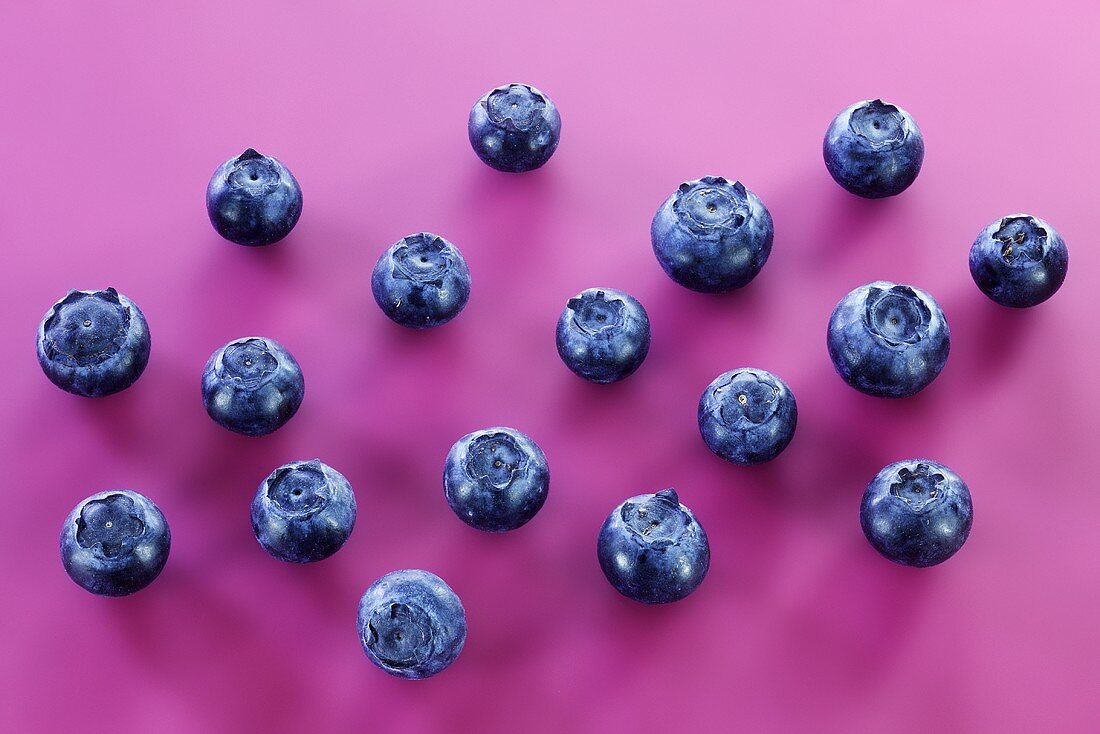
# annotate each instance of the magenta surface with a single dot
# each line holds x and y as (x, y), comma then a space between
(112, 121)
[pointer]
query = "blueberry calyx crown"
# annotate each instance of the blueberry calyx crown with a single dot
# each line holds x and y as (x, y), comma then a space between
(896, 315)
(495, 459)
(423, 258)
(516, 107)
(594, 312)
(254, 173)
(299, 490)
(1023, 240)
(880, 125)
(248, 362)
(110, 525)
(711, 203)
(919, 488)
(757, 398)
(657, 521)
(400, 635)
(86, 328)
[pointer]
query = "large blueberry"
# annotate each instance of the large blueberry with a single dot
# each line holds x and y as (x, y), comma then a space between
(93, 343)
(496, 479)
(411, 624)
(115, 542)
(303, 512)
(421, 281)
(253, 199)
(747, 416)
(1019, 261)
(252, 386)
(652, 549)
(874, 149)
(712, 235)
(514, 128)
(888, 340)
(603, 334)
(916, 512)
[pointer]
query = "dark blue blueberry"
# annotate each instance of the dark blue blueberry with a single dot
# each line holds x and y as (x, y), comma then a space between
(115, 542)
(93, 343)
(652, 549)
(496, 479)
(603, 334)
(916, 512)
(421, 281)
(888, 340)
(303, 512)
(712, 236)
(252, 386)
(874, 149)
(411, 624)
(1019, 261)
(747, 416)
(514, 128)
(253, 199)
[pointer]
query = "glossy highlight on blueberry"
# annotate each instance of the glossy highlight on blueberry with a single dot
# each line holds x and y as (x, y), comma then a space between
(252, 386)
(253, 199)
(603, 335)
(711, 235)
(747, 416)
(421, 281)
(888, 340)
(652, 549)
(916, 512)
(514, 128)
(874, 149)
(411, 624)
(115, 542)
(303, 512)
(496, 479)
(93, 343)
(1019, 261)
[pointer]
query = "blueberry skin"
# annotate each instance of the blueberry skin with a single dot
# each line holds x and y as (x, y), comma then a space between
(874, 149)
(115, 542)
(747, 416)
(303, 512)
(411, 624)
(652, 549)
(712, 236)
(888, 340)
(93, 343)
(1019, 261)
(253, 200)
(603, 335)
(916, 512)
(514, 128)
(252, 386)
(421, 281)
(496, 479)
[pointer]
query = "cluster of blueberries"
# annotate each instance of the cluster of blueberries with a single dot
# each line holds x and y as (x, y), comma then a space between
(710, 235)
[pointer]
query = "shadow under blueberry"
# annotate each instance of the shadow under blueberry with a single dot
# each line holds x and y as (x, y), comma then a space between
(987, 339)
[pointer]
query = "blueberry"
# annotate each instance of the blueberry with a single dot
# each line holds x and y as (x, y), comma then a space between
(93, 343)
(253, 199)
(603, 334)
(712, 236)
(252, 386)
(1019, 261)
(652, 549)
(747, 416)
(115, 542)
(874, 149)
(421, 281)
(303, 512)
(496, 479)
(888, 340)
(916, 512)
(514, 128)
(411, 624)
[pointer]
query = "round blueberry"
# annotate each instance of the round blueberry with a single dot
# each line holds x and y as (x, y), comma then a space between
(421, 281)
(93, 343)
(411, 624)
(1019, 261)
(514, 128)
(115, 542)
(652, 549)
(253, 199)
(496, 479)
(747, 416)
(888, 340)
(711, 235)
(603, 335)
(252, 386)
(303, 512)
(874, 149)
(916, 512)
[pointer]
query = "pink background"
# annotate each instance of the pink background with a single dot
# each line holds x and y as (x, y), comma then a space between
(112, 121)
